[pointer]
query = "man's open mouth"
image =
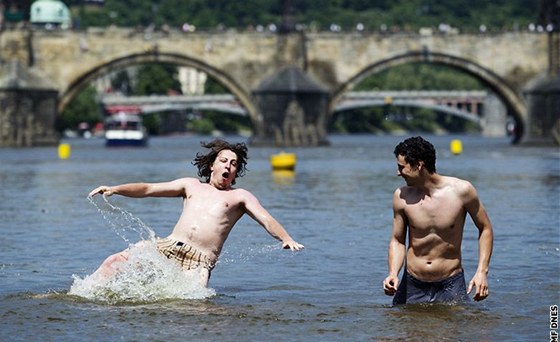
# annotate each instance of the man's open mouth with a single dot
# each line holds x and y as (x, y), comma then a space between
(225, 174)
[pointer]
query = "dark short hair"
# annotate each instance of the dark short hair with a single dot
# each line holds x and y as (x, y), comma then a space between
(417, 149)
(205, 161)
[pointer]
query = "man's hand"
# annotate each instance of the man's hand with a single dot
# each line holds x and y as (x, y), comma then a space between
(104, 190)
(291, 244)
(481, 283)
(390, 285)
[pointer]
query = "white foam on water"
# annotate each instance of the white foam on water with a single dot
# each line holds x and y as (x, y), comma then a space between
(147, 276)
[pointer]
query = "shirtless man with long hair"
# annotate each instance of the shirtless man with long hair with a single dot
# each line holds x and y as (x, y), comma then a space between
(210, 210)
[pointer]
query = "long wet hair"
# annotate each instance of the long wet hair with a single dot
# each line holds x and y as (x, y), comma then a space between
(417, 149)
(205, 161)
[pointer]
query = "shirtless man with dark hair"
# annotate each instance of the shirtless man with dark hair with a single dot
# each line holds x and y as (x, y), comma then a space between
(210, 210)
(432, 209)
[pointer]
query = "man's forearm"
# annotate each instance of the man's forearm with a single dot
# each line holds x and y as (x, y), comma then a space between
(485, 246)
(131, 189)
(396, 257)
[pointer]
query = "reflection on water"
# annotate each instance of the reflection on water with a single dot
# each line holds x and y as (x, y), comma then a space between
(284, 177)
(337, 203)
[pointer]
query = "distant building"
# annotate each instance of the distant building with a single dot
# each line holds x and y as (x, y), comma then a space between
(192, 81)
(50, 14)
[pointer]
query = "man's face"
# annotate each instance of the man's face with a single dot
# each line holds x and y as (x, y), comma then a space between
(224, 169)
(406, 171)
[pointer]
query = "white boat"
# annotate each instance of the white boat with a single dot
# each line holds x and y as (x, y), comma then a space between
(125, 130)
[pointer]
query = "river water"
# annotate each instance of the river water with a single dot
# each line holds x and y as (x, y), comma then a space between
(337, 203)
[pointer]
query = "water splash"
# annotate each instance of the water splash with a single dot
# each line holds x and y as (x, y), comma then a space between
(123, 222)
(147, 276)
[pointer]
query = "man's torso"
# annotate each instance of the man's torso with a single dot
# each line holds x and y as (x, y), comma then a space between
(208, 216)
(435, 225)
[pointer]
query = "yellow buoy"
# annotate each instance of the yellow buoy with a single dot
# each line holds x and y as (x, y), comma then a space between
(283, 161)
(64, 151)
(456, 146)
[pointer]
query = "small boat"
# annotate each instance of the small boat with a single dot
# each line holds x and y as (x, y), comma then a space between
(124, 129)
(283, 161)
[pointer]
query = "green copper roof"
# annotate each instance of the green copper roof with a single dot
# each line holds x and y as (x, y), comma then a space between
(50, 11)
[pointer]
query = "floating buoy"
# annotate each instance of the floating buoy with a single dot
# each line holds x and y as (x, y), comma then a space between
(456, 146)
(64, 151)
(283, 161)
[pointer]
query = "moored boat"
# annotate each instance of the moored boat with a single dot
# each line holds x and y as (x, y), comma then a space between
(125, 130)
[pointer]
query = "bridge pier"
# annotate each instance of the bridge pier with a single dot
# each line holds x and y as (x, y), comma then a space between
(28, 108)
(294, 111)
(543, 126)
(495, 117)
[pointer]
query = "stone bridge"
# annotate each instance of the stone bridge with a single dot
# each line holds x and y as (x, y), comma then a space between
(66, 61)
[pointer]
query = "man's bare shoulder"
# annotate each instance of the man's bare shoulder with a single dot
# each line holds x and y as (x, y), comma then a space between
(191, 180)
(241, 195)
(240, 192)
(401, 195)
(461, 186)
(405, 191)
(186, 181)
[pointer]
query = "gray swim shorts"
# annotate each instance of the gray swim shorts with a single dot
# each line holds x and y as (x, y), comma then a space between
(450, 290)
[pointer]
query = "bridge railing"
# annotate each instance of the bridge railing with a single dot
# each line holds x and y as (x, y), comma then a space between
(467, 101)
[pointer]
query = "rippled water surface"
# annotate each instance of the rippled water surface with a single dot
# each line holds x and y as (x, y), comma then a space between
(338, 203)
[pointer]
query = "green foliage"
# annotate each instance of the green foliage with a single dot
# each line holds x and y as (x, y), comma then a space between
(425, 77)
(152, 123)
(157, 79)
(466, 15)
(202, 125)
(211, 86)
(82, 108)
(227, 123)
(121, 82)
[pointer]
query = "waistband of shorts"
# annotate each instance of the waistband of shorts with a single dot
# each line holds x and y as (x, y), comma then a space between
(173, 242)
(442, 281)
(181, 244)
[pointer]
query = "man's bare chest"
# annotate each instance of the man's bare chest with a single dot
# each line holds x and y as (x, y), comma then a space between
(434, 213)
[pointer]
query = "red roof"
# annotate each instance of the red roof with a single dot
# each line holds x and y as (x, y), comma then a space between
(129, 109)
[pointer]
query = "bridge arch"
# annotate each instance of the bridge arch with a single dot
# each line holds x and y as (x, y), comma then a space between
(513, 102)
(152, 56)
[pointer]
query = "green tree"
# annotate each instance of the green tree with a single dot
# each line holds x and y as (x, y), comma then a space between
(157, 78)
(211, 86)
(466, 15)
(426, 77)
(82, 108)
(121, 82)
